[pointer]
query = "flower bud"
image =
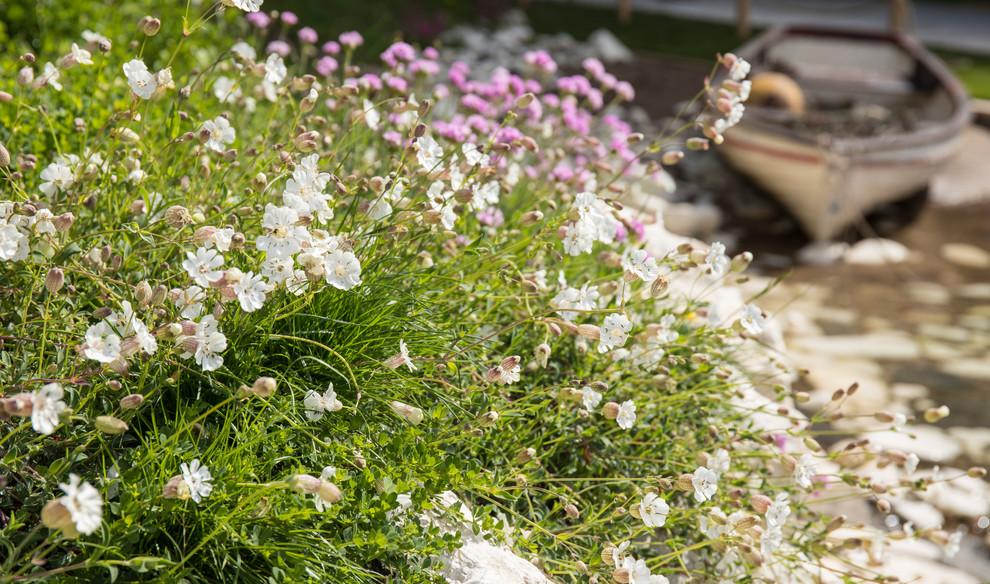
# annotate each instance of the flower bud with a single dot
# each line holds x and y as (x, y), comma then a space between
(177, 216)
(684, 482)
(424, 108)
(4, 156)
(572, 511)
(151, 26)
(306, 142)
(63, 222)
(263, 386)
(486, 420)
(25, 76)
(526, 455)
(671, 157)
(158, 295)
(329, 492)
(659, 286)
(697, 144)
(110, 425)
(229, 156)
(54, 280)
(105, 45)
(542, 354)
(634, 138)
(933, 415)
(590, 331)
(18, 405)
(307, 103)
(130, 402)
(509, 362)
(101, 313)
(746, 522)
(531, 218)
(411, 414)
(812, 444)
(740, 262)
(621, 575)
(611, 411)
(760, 503)
(883, 505)
(529, 144)
(976, 472)
(304, 483)
(176, 488)
(55, 515)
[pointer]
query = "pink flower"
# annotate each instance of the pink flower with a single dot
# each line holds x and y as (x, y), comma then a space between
(351, 39)
(258, 19)
(307, 35)
(331, 47)
(290, 18)
(430, 53)
(281, 48)
(326, 66)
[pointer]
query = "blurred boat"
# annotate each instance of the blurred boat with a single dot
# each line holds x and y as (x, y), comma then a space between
(842, 122)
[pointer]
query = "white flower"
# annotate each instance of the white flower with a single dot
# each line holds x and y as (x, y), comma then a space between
(10, 241)
(405, 502)
(770, 541)
(714, 523)
(342, 269)
(101, 343)
(225, 89)
(590, 398)
(51, 76)
(316, 404)
(639, 573)
(627, 415)
(245, 5)
(579, 238)
(705, 483)
(208, 341)
(81, 56)
(371, 116)
(275, 70)
(251, 290)
(614, 332)
(911, 464)
(639, 266)
(197, 478)
(653, 510)
(402, 358)
(283, 238)
(221, 134)
(952, 546)
(507, 376)
(46, 405)
(84, 504)
(142, 82)
(379, 209)
(899, 421)
(779, 511)
(203, 266)
(473, 155)
(752, 319)
(716, 259)
(720, 462)
(130, 328)
(485, 196)
(804, 470)
(190, 302)
(43, 222)
(57, 176)
(739, 70)
(429, 153)
(245, 50)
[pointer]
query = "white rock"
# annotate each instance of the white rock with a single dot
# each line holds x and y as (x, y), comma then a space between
(976, 291)
(929, 443)
(607, 47)
(975, 442)
(928, 293)
(909, 391)
(969, 368)
(921, 514)
(966, 255)
(876, 251)
(479, 561)
(888, 345)
(822, 253)
(692, 220)
(961, 497)
(953, 334)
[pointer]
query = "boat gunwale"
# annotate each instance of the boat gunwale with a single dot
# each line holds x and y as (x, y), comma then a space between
(945, 131)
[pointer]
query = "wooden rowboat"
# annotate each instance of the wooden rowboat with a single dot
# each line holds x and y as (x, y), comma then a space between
(880, 116)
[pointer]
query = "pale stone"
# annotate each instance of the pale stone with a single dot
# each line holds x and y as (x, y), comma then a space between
(909, 391)
(876, 251)
(607, 47)
(922, 515)
(937, 351)
(887, 345)
(928, 442)
(960, 497)
(979, 310)
(969, 368)
(928, 293)
(975, 443)
(975, 291)
(479, 560)
(692, 220)
(953, 334)
(822, 253)
(833, 315)
(966, 255)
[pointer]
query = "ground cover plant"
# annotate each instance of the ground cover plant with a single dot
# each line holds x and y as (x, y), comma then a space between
(271, 316)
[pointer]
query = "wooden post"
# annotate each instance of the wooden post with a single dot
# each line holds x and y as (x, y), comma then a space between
(625, 11)
(742, 18)
(899, 15)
